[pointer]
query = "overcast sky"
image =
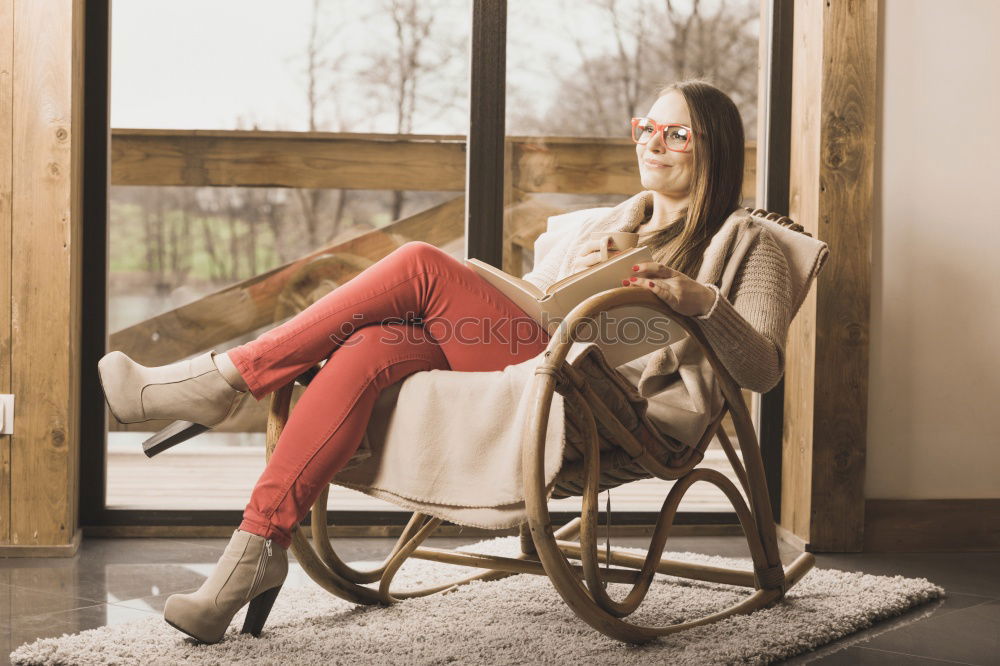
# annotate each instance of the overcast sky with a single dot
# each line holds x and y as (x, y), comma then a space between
(197, 64)
(191, 64)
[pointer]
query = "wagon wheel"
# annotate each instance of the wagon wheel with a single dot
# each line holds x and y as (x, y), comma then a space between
(311, 281)
(591, 602)
(316, 278)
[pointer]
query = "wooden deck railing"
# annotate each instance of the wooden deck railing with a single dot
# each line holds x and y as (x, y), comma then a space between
(568, 165)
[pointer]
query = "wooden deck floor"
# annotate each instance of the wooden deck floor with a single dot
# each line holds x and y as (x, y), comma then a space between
(203, 474)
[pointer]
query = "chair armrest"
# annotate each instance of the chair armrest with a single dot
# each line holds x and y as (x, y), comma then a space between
(567, 332)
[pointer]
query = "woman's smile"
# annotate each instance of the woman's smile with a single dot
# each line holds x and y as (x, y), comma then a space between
(655, 165)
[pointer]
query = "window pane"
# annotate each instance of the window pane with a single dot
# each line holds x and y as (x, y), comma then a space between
(262, 154)
(572, 88)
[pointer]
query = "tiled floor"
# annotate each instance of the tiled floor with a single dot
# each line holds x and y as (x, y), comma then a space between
(115, 580)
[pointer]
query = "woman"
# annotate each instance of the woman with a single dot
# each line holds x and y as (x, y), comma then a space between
(404, 314)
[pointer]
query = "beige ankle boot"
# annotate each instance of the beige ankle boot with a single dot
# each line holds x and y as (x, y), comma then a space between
(251, 570)
(190, 390)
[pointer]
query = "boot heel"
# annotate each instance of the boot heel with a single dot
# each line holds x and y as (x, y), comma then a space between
(260, 607)
(172, 435)
(181, 431)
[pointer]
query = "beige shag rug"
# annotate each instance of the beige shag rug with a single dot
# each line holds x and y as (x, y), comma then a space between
(516, 620)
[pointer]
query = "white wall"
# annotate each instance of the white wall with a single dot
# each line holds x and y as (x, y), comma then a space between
(934, 383)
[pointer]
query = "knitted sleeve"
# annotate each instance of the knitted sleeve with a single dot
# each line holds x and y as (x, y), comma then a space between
(748, 334)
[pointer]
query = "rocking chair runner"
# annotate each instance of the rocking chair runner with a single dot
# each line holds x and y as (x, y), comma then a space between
(609, 442)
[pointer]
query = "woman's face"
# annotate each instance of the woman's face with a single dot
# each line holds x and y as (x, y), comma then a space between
(662, 170)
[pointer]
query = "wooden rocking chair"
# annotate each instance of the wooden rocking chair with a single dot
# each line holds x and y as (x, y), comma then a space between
(609, 442)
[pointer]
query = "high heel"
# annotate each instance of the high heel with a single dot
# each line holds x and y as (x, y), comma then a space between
(172, 435)
(180, 431)
(249, 571)
(258, 611)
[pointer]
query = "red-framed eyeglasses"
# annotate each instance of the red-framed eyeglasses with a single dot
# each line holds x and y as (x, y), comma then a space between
(675, 137)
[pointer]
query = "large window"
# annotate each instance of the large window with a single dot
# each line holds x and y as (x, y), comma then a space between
(277, 150)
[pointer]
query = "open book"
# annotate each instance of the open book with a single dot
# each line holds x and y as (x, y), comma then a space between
(624, 333)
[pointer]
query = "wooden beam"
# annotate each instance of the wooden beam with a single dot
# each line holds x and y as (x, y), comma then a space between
(6, 242)
(248, 305)
(831, 194)
(73, 244)
(44, 550)
(287, 159)
(227, 158)
(45, 270)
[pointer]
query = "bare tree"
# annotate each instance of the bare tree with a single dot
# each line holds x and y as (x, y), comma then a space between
(399, 74)
(653, 45)
(719, 46)
(614, 81)
(313, 202)
(165, 237)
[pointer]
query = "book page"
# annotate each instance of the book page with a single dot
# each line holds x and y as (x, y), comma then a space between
(495, 276)
(622, 256)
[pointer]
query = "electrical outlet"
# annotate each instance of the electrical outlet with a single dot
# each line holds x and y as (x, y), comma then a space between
(6, 414)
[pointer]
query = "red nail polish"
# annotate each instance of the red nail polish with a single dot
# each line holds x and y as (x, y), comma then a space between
(624, 283)
(633, 279)
(650, 284)
(635, 268)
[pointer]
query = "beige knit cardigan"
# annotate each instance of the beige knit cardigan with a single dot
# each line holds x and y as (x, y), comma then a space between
(449, 443)
(748, 333)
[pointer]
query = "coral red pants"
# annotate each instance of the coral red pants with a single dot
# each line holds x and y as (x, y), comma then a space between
(416, 309)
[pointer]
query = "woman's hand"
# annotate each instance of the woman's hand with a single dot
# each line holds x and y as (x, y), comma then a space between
(684, 295)
(590, 253)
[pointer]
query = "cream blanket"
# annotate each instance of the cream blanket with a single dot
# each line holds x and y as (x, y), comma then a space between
(448, 443)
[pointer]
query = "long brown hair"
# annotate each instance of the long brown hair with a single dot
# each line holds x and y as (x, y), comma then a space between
(717, 182)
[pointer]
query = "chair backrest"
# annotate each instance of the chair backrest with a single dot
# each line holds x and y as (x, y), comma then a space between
(804, 254)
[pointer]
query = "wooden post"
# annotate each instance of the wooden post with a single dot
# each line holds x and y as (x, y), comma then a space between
(830, 194)
(6, 249)
(41, 114)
